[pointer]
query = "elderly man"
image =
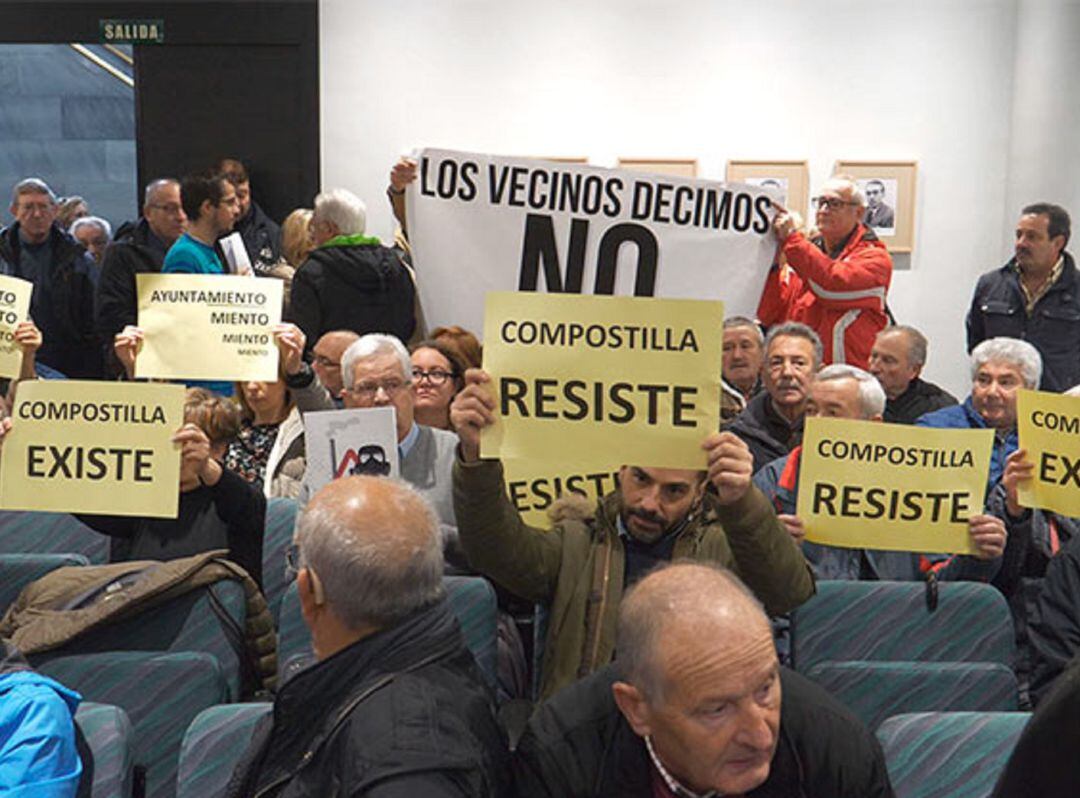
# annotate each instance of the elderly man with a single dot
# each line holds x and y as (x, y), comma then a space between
(897, 360)
(261, 234)
(1000, 367)
(837, 281)
(350, 281)
(139, 248)
(326, 360)
(211, 207)
(1035, 296)
(696, 704)
(93, 233)
(771, 425)
(744, 352)
(581, 567)
(36, 249)
(395, 705)
(842, 391)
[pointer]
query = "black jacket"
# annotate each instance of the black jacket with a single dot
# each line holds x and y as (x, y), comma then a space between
(1054, 628)
(578, 745)
(362, 287)
(134, 250)
(262, 238)
(920, 397)
(400, 714)
(766, 433)
(69, 338)
(1053, 328)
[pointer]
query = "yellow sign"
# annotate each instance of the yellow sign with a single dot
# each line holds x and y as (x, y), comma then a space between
(1049, 429)
(636, 379)
(533, 487)
(886, 486)
(93, 447)
(14, 307)
(208, 327)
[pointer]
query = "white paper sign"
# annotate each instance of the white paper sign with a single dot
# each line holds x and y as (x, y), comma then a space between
(480, 223)
(352, 441)
(236, 255)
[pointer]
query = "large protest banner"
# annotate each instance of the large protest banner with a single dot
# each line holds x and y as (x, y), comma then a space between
(14, 308)
(480, 223)
(888, 486)
(354, 441)
(94, 447)
(631, 378)
(1049, 429)
(208, 327)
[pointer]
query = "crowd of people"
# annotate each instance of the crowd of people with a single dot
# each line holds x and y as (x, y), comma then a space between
(663, 667)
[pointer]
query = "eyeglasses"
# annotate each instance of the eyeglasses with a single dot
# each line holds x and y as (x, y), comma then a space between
(327, 362)
(368, 390)
(873, 191)
(170, 208)
(292, 562)
(832, 203)
(436, 377)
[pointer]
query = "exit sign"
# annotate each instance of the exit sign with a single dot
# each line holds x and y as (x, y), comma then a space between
(132, 31)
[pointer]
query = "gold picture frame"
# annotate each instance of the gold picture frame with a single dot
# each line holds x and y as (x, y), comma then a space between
(889, 188)
(674, 167)
(792, 179)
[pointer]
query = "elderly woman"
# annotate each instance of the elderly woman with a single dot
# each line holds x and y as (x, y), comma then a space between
(437, 376)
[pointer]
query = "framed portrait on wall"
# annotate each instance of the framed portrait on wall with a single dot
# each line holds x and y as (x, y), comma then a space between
(790, 179)
(889, 189)
(676, 167)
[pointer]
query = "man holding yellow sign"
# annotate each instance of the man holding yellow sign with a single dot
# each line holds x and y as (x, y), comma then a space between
(867, 498)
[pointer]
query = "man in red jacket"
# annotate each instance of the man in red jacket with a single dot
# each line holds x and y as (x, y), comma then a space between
(836, 281)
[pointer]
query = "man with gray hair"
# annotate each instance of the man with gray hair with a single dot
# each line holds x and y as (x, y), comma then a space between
(897, 360)
(696, 704)
(36, 249)
(835, 282)
(395, 705)
(350, 281)
(1000, 367)
(743, 355)
(93, 233)
(842, 391)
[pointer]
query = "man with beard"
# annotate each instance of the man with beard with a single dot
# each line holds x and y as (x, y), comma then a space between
(581, 567)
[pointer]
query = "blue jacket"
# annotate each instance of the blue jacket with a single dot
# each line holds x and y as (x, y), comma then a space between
(965, 416)
(38, 758)
(779, 481)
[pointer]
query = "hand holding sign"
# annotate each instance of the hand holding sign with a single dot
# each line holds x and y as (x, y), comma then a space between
(731, 466)
(290, 341)
(127, 344)
(1018, 469)
(988, 536)
(473, 409)
(197, 467)
(28, 339)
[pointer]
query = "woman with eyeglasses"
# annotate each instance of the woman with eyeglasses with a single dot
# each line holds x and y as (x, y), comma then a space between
(437, 376)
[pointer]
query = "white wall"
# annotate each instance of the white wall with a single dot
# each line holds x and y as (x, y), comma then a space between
(930, 80)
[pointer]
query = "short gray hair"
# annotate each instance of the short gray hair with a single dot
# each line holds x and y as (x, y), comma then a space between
(795, 329)
(1013, 351)
(847, 183)
(740, 322)
(364, 583)
(95, 221)
(871, 394)
(346, 210)
(154, 186)
(32, 185)
(917, 343)
(371, 345)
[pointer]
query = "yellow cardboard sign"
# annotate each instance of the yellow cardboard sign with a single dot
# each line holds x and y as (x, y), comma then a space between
(93, 447)
(887, 486)
(636, 379)
(1049, 429)
(208, 327)
(14, 308)
(533, 486)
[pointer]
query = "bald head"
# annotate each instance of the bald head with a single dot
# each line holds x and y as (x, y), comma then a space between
(328, 351)
(686, 613)
(374, 545)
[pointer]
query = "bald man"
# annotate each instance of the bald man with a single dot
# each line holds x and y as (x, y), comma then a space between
(696, 704)
(326, 360)
(395, 705)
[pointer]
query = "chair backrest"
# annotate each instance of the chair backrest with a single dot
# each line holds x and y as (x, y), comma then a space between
(50, 533)
(890, 621)
(874, 691)
(471, 598)
(213, 744)
(280, 521)
(107, 732)
(161, 694)
(948, 754)
(19, 570)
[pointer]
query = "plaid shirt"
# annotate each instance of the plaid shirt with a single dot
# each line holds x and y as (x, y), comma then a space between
(1031, 298)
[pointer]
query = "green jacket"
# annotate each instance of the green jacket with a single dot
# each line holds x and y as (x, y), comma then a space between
(576, 568)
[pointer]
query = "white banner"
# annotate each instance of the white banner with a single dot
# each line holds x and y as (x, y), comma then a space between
(480, 223)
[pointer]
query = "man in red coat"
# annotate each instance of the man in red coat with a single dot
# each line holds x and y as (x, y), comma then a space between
(836, 281)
